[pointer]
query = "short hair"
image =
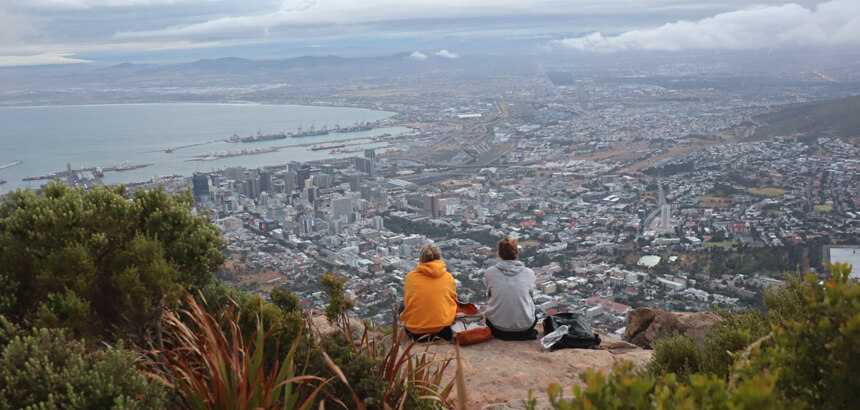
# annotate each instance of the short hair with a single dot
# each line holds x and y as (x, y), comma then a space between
(508, 249)
(430, 252)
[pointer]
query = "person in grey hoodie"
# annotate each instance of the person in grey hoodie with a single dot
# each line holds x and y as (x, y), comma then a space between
(510, 290)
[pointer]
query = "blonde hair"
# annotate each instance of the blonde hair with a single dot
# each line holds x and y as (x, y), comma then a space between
(430, 252)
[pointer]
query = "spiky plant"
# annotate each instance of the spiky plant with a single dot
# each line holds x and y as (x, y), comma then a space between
(414, 376)
(211, 365)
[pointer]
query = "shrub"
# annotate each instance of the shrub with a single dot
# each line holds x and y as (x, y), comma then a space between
(338, 304)
(43, 368)
(807, 358)
(99, 263)
(786, 302)
(676, 354)
(730, 335)
(816, 357)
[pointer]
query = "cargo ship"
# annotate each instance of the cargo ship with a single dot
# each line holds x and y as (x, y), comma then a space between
(323, 147)
(310, 132)
(259, 137)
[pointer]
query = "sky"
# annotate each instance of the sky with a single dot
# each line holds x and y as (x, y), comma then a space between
(40, 32)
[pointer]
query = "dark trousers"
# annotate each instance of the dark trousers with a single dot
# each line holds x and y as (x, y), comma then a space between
(444, 334)
(528, 334)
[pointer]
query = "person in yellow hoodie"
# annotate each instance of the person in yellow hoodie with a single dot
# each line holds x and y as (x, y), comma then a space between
(430, 298)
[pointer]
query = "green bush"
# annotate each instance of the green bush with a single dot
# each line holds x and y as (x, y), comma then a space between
(101, 264)
(360, 369)
(786, 302)
(803, 353)
(676, 354)
(817, 357)
(624, 389)
(43, 368)
(730, 335)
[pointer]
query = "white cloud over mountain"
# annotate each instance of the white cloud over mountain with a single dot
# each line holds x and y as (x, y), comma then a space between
(446, 54)
(417, 55)
(833, 23)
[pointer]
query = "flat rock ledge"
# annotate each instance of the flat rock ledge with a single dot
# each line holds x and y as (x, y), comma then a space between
(499, 374)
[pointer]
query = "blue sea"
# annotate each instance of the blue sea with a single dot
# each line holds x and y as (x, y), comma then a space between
(47, 138)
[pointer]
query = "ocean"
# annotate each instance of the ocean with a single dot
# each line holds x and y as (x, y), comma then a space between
(47, 138)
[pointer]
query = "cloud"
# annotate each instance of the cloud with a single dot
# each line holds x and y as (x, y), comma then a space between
(417, 55)
(382, 17)
(91, 4)
(39, 59)
(446, 54)
(121, 27)
(834, 23)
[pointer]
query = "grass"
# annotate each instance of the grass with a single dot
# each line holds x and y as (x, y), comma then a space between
(824, 208)
(769, 191)
(529, 244)
(715, 244)
(706, 201)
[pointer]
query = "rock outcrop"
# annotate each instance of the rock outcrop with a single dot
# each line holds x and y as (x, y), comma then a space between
(645, 326)
(500, 374)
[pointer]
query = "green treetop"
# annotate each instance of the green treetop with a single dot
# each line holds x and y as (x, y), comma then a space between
(98, 263)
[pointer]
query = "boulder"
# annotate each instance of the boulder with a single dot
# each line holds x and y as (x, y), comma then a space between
(699, 324)
(645, 326)
(322, 327)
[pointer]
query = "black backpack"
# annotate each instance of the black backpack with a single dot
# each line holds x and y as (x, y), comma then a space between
(579, 334)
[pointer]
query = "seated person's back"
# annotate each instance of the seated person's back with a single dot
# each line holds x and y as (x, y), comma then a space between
(430, 296)
(510, 291)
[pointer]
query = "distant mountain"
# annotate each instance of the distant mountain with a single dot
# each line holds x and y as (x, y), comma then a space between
(830, 118)
(223, 71)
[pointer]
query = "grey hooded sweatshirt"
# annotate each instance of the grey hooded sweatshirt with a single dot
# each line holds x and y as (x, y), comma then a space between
(511, 288)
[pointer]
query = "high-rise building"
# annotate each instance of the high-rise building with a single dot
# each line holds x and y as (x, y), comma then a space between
(235, 173)
(376, 222)
(313, 194)
(370, 153)
(366, 165)
(322, 180)
(431, 205)
(341, 208)
(665, 214)
(250, 188)
(266, 181)
(355, 182)
(302, 175)
(307, 224)
(665, 211)
(201, 186)
(290, 181)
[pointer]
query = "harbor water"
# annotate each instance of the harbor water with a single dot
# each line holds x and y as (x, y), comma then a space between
(46, 139)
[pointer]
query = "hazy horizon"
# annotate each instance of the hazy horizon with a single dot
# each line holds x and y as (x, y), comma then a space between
(49, 32)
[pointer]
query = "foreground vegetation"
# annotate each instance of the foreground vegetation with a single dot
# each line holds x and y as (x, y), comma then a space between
(107, 300)
(801, 353)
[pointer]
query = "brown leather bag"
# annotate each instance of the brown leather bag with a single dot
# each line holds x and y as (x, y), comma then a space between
(469, 327)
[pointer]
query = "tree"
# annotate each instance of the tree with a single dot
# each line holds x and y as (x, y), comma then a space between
(101, 263)
(338, 303)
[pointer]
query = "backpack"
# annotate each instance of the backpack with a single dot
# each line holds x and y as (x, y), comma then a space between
(469, 327)
(579, 334)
